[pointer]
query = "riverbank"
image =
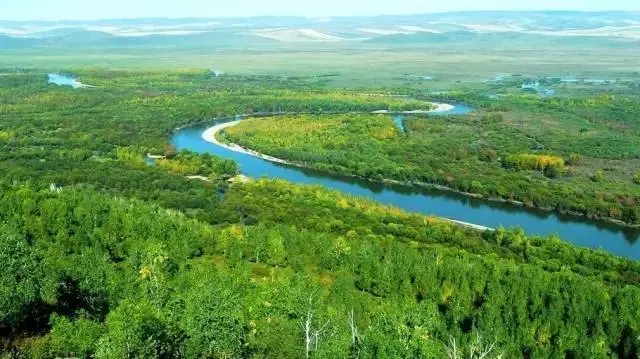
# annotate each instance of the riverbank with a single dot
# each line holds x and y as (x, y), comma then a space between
(209, 135)
(439, 107)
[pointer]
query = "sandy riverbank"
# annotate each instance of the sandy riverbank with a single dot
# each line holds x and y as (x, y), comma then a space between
(439, 107)
(468, 225)
(201, 178)
(209, 135)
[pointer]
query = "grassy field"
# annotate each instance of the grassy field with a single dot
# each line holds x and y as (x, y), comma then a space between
(362, 66)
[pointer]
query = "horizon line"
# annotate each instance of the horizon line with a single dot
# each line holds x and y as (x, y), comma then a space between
(323, 17)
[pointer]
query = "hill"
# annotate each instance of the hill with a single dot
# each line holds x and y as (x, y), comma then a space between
(497, 39)
(79, 38)
(624, 25)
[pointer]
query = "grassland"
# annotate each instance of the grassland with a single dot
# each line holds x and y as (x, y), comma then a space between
(356, 66)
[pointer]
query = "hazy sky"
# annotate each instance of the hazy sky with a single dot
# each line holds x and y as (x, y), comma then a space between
(102, 9)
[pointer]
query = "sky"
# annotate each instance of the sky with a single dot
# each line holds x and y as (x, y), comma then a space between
(21, 10)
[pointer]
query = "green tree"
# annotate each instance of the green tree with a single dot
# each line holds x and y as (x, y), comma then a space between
(138, 329)
(552, 171)
(598, 176)
(213, 319)
(74, 338)
(574, 159)
(487, 155)
(19, 280)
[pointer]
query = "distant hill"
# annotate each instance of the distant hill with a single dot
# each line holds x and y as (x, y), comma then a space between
(512, 39)
(534, 19)
(462, 28)
(8, 42)
(83, 38)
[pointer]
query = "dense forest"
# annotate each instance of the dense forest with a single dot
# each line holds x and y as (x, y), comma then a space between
(86, 274)
(573, 156)
(105, 255)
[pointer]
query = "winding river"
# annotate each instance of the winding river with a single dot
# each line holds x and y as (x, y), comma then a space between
(578, 230)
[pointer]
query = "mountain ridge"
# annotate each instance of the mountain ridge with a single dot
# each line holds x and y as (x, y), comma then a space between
(257, 31)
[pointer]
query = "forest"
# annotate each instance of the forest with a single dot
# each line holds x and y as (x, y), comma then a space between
(572, 156)
(105, 255)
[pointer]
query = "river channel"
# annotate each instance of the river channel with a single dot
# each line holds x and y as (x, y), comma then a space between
(581, 231)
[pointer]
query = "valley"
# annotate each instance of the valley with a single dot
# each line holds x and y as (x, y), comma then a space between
(418, 186)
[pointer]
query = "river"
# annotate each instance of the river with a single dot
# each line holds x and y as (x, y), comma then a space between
(581, 231)
(64, 80)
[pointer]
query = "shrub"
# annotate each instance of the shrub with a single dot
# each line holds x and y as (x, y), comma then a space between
(138, 329)
(574, 159)
(553, 171)
(598, 176)
(533, 162)
(487, 155)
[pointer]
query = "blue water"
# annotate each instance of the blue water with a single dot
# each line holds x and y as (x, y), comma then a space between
(150, 161)
(62, 80)
(399, 121)
(580, 231)
(459, 109)
(575, 80)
